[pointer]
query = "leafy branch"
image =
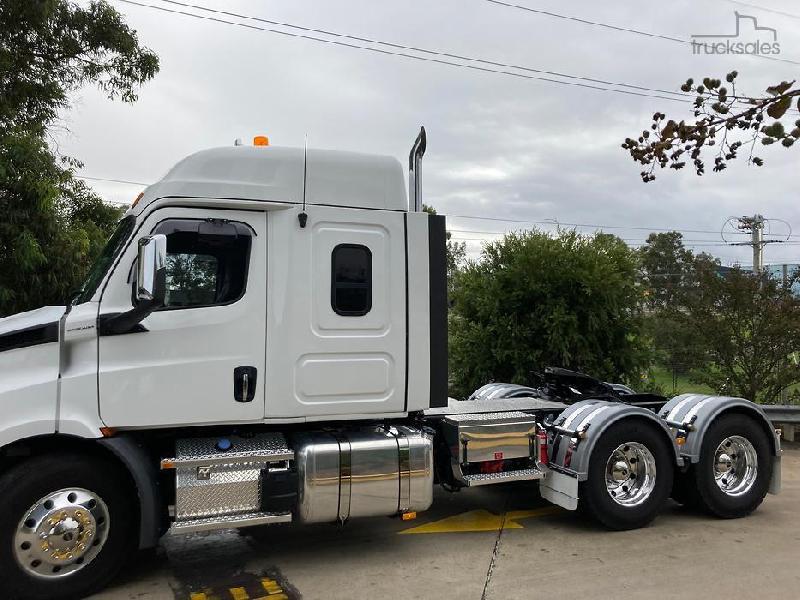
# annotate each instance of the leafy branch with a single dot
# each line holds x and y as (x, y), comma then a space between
(725, 122)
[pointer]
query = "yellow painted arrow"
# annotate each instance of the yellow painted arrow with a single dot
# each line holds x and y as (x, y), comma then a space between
(482, 520)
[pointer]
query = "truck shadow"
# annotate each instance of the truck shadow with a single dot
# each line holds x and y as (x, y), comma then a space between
(209, 565)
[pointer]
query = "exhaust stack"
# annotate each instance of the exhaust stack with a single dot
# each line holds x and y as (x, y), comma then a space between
(415, 171)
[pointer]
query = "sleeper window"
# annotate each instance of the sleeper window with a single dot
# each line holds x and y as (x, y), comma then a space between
(206, 261)
(351, 280)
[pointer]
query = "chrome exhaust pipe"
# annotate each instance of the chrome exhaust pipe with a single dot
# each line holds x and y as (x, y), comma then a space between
(415, 172)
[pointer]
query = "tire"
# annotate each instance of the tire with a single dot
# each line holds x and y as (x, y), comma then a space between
(94, 527)
(737, 501)
(641, 482)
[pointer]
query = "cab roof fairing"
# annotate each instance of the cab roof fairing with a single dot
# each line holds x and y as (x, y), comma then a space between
(275, 174)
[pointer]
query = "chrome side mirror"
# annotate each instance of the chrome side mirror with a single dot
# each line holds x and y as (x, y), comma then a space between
(151, 270)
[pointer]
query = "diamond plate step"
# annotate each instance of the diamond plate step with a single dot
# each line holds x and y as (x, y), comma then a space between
(491, 478)
(203, 452)
(229, 522)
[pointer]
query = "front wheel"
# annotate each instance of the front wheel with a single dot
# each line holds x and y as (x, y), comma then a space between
(67, 527)
(630, 475)
(735, 467)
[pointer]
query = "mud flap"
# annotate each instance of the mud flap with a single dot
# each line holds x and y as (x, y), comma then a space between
(775, 480)
(560, 489)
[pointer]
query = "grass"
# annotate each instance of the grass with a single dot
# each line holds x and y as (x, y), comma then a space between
(663, 377)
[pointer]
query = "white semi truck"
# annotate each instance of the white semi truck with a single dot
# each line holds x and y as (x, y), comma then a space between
(264, 340)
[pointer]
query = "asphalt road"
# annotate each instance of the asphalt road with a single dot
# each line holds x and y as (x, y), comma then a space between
(497, 543)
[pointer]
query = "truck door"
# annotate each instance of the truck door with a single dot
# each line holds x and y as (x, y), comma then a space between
(200, 358)
(336, 314)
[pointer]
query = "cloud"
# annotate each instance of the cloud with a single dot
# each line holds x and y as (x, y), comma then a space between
(499, 146)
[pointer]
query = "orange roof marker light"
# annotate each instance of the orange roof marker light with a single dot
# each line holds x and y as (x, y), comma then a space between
(261, 140)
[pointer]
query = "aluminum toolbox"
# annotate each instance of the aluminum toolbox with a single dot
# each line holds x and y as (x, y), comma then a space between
(482, 437)
(214, 480)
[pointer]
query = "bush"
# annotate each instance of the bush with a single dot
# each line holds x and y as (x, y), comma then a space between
(533, 300)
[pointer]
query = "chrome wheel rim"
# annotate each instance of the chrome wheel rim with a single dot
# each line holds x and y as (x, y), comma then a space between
(61, 533)
(735, 465)
(630, 474)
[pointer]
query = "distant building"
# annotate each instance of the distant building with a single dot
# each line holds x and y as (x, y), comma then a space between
(777, 272)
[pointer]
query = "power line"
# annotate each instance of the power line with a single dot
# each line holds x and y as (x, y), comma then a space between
(630, 242)
(584, 21)
(492, 219)
(464, 234)
(109, 180)
(138, 183)
(430, 55)
(585, 225)
(685, 241)
(765, 9)
(555, 222)
(638, 32)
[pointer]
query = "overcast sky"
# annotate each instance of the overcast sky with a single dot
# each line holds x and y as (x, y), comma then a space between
(499, 146)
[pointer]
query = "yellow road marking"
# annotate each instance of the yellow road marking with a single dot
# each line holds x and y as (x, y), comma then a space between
(239, 593)
(482, 520)
(271, 586)
(272, 591)
(533, 513)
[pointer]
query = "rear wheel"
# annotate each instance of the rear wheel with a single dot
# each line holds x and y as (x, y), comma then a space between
(67, 527)
(630, 475)
(735, 467)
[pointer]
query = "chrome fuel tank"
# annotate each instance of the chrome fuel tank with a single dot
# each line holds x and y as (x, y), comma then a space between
(363, 473)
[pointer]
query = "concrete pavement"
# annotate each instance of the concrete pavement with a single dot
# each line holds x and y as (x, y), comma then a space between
(496, 543)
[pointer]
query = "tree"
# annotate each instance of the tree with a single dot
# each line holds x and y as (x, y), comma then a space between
(725, 122)
(52, 224)
(671, 275)
(456, 254)
(192, 279)
(665, 265)
(49, 48)
(751, 327)
(51, 229)
(532, 300)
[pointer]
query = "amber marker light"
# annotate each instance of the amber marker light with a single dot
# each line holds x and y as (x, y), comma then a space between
(135, 202)
(261, 140)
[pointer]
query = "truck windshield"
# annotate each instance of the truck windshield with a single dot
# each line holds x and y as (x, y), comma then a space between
(103, 262)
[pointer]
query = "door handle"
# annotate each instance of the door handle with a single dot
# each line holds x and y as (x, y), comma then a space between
(244, 383)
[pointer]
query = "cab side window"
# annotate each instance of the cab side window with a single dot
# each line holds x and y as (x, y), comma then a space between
(351, 280)
(206, 261)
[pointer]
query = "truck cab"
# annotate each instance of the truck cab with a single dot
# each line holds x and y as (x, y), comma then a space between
(286, 299)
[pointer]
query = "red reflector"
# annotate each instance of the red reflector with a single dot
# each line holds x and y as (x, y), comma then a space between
(498, 456)
(568, 454)
(492, 466)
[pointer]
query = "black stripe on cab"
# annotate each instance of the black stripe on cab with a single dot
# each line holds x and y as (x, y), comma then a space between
(437, 286)
(30, 336)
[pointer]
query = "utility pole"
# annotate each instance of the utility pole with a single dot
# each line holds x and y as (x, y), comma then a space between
(755, 225)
